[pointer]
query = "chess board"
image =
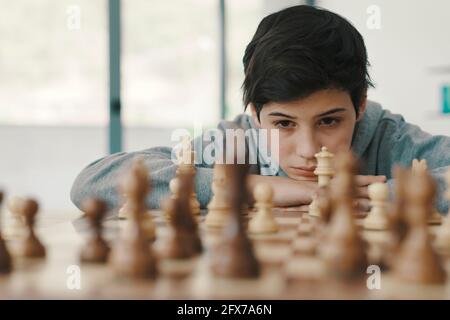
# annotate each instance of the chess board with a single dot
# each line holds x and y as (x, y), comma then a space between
(291, 268)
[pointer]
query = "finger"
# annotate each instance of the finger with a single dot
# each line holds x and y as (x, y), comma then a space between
(362, 204)
(303, 208)
(362, 192)
(366, 180)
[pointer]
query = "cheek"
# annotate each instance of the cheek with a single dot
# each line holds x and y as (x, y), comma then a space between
(340, 139)
(287, 145)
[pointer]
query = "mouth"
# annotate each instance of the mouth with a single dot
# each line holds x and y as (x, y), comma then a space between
(307, 172)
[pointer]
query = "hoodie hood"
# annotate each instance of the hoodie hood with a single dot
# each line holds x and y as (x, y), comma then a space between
(366, 128)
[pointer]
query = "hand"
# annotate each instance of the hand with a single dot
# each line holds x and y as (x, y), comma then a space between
(287, 192)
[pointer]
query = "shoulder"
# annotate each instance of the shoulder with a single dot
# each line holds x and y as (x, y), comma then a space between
(241, 121)
(377, 124)
(376, 119)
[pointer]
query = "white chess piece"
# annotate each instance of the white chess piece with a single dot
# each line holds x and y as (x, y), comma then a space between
(324, 172)
(263, 221)
(218, 208)
(377, 217)
(186, 163)
(174, 186)
(124, 210)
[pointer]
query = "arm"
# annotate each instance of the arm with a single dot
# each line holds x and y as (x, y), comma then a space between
(404, 142)
(287, 192)
(100, 178)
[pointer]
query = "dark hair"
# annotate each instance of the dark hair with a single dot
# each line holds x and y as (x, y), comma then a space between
(300, 50)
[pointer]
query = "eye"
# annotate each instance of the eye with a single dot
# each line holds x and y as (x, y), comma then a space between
(329, 122)
(284, 124)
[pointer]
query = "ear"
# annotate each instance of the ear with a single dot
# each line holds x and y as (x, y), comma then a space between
(254, 115)
(362, 108)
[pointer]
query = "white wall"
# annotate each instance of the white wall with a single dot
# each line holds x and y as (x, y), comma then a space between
(413, 38)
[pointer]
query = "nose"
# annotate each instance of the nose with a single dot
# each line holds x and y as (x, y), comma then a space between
(307, 145)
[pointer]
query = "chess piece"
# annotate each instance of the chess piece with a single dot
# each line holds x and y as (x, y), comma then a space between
(443, 236)
(132, 255)
(148, 226)
(180, 242)
(314, 209)
(15, 228)
(396, 218)
(263, 221)
(416, 260)
(124, 210)
(234, 256)
(96, 249)
(421, 165)
(183, 240)
(186, 160)
(174, 187)
(344, 249)
(324, 172)
(218, 207)
(30, 246)
(5, 257)
(174, 245)
(377, 217)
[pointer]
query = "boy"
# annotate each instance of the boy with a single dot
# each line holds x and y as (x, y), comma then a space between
(306, 78)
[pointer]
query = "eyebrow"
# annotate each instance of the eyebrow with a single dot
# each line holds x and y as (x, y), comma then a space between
(335, 110)
(326, 113)
(279, 114)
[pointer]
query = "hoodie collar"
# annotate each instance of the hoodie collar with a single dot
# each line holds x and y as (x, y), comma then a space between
(366, 128)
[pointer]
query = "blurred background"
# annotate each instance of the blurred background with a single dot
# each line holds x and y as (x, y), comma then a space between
(83, 78)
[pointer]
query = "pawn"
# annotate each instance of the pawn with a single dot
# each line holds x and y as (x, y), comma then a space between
(174, 187)
(416, 260)
(186, 160)
(263, 221)
(15, 228)
(443, 236)
(177, 244)
(31, 246)
(5, 257)
(377, 218)
(124, 210)
(132, 256)
(234, 256)
(218, 207)
(314, 209)
(147, 224)
(418, 166)
(344, 250)
(96, 249)
(324, 173)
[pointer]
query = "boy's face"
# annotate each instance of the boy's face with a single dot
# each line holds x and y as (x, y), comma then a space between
(325, 118)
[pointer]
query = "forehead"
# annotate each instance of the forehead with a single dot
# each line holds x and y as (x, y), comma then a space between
(315, 104)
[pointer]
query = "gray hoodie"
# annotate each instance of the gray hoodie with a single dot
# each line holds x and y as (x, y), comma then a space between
(381, 140)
